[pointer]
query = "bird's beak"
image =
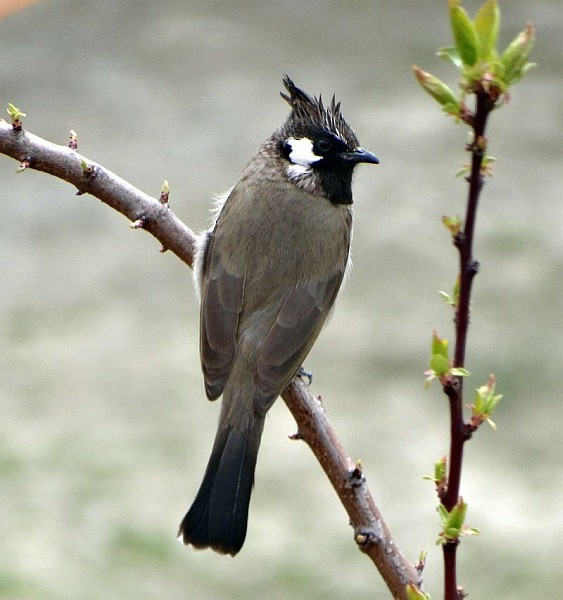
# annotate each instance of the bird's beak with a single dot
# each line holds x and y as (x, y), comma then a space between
(359, 155)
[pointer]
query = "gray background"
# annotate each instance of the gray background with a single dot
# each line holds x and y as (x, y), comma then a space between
(104, 429)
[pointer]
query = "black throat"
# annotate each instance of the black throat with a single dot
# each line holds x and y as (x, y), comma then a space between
(336, 180)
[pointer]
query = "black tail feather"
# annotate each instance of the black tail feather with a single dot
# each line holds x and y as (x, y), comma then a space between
(218, 516)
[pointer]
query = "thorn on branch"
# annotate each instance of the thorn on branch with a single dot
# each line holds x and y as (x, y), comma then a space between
(297, 436)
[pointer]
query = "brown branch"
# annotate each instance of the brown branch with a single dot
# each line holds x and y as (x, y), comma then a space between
(370, 531)
(91, 178)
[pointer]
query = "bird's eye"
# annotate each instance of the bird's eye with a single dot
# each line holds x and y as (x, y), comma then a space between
(324, 144)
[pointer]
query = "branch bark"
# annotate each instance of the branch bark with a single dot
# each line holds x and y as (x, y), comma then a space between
(370, 531)
(60, 161)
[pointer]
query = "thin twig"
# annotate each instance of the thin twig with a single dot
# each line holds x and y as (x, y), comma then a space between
(459, 432)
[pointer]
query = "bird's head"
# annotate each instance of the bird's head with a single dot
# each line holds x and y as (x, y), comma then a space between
(319, 147)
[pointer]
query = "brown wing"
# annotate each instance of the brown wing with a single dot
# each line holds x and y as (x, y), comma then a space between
(296, 328)
(221, 304)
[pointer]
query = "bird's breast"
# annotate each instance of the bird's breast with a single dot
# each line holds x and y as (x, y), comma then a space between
(278, 231)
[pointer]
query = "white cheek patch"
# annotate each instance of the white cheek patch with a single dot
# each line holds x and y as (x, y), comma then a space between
(296, 171)
(302, 152)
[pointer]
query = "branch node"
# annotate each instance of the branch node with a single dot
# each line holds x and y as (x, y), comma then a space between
(459, 240)
(88, 170)
(451, 387)
(468, 429)
(24, 164)
(366, 538)
(478, 146)
(16, 116)
(138, 223)
(420, 565)
(164, 193)
(461, 593)
(356, 476)
(473, 268)
(297, 436)
(73, 140)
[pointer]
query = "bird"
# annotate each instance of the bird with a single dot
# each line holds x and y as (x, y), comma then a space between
(267, 273)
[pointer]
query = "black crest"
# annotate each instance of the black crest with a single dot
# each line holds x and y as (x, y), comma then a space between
(309, 112)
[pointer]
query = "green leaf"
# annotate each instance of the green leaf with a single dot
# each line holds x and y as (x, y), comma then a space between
(15, 113)
(464, 34)
(437, 89)
(453, 523)
(484, 403)
(465, 170)
(487, 23)
(450, 53)
(459, 372)
(430, 376)
(528, 67)
(452, 223)
(452, 109)
(439, 364)
(514, 58)
(439, 345)
(440, 467)
(439, 359)
(447, 298)
(413, 593)
(456, 517)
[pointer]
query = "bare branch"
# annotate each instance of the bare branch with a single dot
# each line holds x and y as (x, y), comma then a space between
(91, 178)
(370, 531)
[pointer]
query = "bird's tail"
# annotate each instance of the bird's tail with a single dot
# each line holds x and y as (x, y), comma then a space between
(218, 516)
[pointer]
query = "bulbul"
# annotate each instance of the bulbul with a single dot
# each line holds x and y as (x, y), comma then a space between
(268, 272)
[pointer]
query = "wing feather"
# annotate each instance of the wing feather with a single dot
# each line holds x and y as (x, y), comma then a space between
(296, 328)
(221, 305)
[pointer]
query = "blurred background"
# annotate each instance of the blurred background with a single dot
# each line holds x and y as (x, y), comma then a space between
(105, 429)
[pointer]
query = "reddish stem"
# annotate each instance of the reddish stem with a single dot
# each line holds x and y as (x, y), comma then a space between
(459, 432)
